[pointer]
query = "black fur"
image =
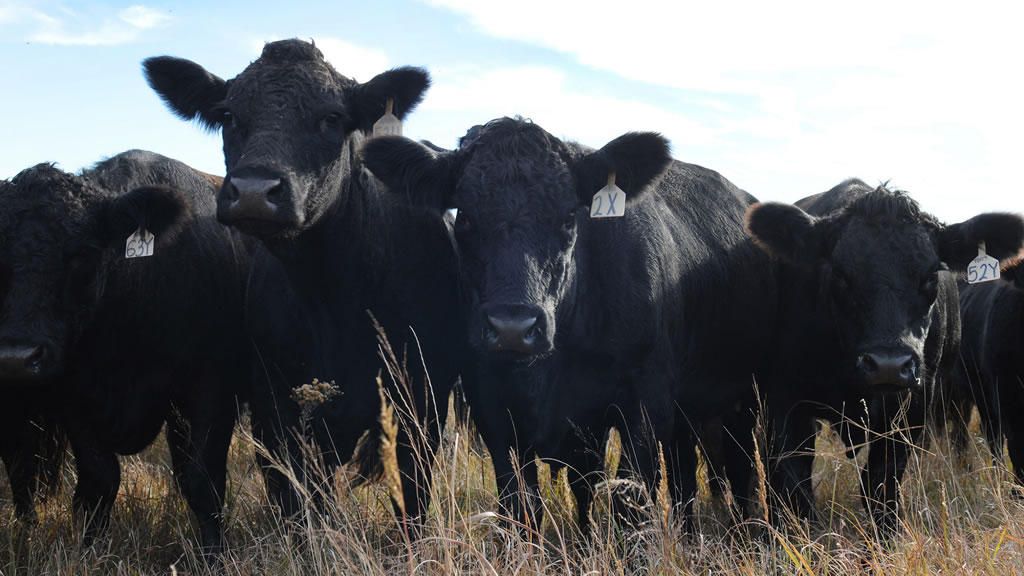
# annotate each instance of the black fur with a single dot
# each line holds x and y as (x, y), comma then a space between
(669, 305)
(864, 273)
(337, 249)
(128, 345)
(990, 370)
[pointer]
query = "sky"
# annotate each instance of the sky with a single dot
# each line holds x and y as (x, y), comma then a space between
(785, 99)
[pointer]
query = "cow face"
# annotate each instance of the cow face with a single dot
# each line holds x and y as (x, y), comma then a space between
(879, 262)
(59, 237)
(523, 200)
(290, 125)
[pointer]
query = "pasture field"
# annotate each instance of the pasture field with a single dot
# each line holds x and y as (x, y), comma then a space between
(961, 517)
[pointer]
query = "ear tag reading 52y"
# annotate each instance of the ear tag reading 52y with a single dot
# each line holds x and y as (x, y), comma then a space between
(139, 244)
(984, 268)
(389, 124)
(609, 202)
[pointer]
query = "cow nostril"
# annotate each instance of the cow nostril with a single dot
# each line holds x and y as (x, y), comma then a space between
(35, 360)
(867, 363)
(908, 370)
(275, 194)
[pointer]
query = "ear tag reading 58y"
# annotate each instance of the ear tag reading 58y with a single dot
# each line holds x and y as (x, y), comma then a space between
(609, 202)
(389, 124)
(984, 268)
(139, 244)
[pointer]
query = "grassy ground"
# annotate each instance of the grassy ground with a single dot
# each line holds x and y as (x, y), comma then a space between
(961, 517)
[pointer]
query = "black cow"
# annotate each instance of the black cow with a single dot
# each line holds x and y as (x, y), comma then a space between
(578, 325)
(119, 345)
(867, 324)
(990, 373)
(336, 249)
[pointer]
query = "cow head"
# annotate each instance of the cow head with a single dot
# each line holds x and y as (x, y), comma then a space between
(523, 200)
(879, 262)
(290, 125)
(59, 236)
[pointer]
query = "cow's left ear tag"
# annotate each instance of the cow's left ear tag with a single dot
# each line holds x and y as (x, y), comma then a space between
(609, 202)
(139, 244)
(984, 268)
(389, 124)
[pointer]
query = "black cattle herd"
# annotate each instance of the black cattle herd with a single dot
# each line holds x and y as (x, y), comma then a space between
(574, 290)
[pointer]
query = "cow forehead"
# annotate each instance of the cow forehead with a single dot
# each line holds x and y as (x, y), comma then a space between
(46, 206)
(501, 181)
(286, 86)
(885, 247)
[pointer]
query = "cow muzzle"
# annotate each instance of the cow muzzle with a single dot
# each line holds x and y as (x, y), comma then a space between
(515, 329)
(24, 362)
(889, 371)
(255, 205)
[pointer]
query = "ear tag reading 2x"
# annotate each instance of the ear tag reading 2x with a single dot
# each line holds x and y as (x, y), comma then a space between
(139, 244)
(609, 202)
(984, 268)
(389, 124)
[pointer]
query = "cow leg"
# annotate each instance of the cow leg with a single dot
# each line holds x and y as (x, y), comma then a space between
(583, 471)
(738, 450)
(887, 459)
(199, 452)
(791, 474)
(23, 468)
(681, 461)
(21, 474)
(521, 501)
(990, 413)
(99, 476)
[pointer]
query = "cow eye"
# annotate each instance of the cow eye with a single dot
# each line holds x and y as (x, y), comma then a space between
(570, 220)
(333, 122)
(931, 284)
(462, 222)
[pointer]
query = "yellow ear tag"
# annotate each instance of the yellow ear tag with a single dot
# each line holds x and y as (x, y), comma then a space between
(389, 124)
(139, 244)
(984, 268)
(609, 202)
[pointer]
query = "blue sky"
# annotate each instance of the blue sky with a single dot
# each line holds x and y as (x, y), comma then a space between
(784, 99)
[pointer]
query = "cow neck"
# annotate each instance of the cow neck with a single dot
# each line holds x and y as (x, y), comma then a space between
(341, 254)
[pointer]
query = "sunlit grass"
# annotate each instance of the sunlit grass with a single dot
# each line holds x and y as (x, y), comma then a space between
(961, 516)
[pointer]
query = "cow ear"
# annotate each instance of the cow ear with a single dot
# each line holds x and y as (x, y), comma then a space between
(638, 160)
(187, 89)
(1002, 233)
(787, 232)
(161, 210)
(405, 86)
(418, 173)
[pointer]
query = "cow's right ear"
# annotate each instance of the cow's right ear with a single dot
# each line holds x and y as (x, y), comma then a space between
(187, 89)
(161, 210)
(638, 160)
(787, 232)
(419, 174)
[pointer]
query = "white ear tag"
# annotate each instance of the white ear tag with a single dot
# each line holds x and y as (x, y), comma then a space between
(139, 244)
(389, 124)
(609, 202)
(984, 268)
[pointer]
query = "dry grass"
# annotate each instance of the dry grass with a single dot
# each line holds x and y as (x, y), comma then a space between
(961, 518)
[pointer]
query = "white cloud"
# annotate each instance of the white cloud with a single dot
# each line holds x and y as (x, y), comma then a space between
(358, 62)
(143, 17)
(73, 29)
(925, 93)
(539, 93)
